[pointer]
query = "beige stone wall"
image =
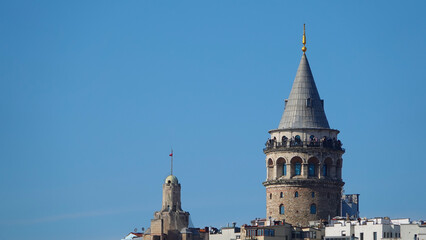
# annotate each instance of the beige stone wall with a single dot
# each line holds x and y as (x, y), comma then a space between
(171, 221)
(297, 209)
(171, 197)
(156, 227)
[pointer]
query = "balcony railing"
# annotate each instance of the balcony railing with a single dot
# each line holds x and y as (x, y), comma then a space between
(327, 144)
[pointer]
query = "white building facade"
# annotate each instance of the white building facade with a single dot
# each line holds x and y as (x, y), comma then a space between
(411, 230)
(364, 229)
(226, 233)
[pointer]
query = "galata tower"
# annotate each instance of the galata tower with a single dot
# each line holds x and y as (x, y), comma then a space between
(303, 157)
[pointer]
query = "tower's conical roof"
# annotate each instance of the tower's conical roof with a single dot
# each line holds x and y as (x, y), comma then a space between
(304, 108)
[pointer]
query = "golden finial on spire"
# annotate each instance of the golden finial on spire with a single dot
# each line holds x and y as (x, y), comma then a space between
(304, 40)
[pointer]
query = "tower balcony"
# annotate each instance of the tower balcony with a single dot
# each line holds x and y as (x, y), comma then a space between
(330, 144)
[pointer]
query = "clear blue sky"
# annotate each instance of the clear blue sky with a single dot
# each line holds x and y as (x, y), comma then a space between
(94, 93)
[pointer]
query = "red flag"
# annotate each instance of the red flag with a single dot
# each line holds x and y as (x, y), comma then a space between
(171, 154)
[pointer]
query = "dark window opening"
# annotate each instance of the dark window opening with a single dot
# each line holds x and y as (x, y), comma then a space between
(313, 209)
(282, 209)
(311, 169)
(297, 169)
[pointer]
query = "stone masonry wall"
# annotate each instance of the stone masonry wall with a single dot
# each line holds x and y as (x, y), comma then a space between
(297, 209)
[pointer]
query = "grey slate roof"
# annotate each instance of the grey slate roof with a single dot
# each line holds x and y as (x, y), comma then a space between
(304, 107)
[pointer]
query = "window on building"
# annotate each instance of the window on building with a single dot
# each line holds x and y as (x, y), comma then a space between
(311, 170)
(361, 236)
(270, 196)
(282, 209)
(297, 169)
(309, 102)
(296, 194)
(269, 232)
(281, 195)
(313, 209)
(324, 170)
(313, 194)
(284, 169)
(297, 138)
(374, 235)
(251, 233)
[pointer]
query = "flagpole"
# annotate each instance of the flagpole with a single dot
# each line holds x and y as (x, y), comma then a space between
(171, 164)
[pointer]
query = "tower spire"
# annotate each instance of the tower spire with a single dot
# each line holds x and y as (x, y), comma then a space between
(304, 40)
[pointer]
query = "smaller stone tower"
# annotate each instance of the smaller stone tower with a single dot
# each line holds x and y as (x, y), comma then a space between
(171, 194)
(168, 222)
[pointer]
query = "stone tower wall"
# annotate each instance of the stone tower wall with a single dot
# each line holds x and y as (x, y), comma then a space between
(326, 185)
(171, 197)
(297, 209)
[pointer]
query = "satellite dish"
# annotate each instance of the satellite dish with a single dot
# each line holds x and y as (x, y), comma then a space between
(135, 230)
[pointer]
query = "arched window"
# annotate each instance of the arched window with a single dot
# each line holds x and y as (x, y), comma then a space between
(311, 170)
(313, 209)
(281, 167)
(270, 171)
(296, 194)
(296, 166)
(313, 194)
(326, 167)
(281, 195)
(281, 209)
(339, 168)
(324, 170)
(297, 138)
(297, 169)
